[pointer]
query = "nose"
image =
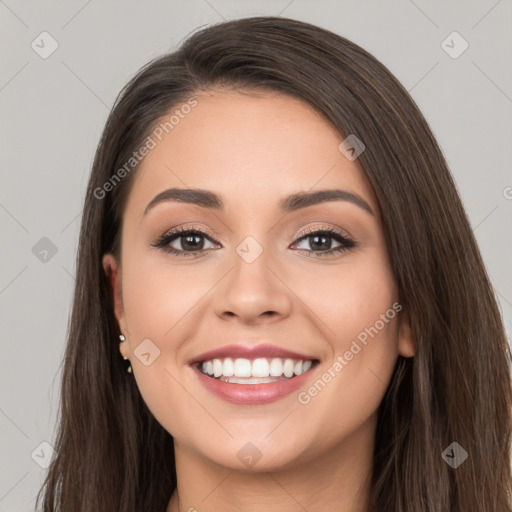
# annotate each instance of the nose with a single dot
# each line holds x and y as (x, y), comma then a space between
(253, 292)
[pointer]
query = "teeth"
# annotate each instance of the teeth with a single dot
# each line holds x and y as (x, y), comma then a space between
(261, 369)
(255, 380)
(228, 367)
(217, 367)
(276, 367)
(243, 368)
(288, 368)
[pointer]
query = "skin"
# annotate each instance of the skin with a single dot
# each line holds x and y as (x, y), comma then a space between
(253, 150)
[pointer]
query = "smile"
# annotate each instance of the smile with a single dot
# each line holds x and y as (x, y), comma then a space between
(248, 374)
(256, 371)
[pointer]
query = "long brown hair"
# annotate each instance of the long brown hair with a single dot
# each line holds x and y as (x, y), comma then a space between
(112, 454)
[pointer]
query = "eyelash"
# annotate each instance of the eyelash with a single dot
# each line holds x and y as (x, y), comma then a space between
(164, 241)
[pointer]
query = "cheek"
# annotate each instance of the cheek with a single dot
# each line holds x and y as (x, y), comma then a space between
(358, 308)
(159, 306)
(152, 301)
(157, 297)
(351, 297)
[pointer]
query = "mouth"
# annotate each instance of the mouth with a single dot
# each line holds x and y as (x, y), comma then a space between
(255, 371)
(244, 374)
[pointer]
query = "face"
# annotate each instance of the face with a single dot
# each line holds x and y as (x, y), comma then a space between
(311, 279)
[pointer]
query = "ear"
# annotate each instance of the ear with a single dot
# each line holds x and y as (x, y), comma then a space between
(113, 271)
(406, 346)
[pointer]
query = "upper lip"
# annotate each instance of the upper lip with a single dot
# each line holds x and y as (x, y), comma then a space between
(249, 352)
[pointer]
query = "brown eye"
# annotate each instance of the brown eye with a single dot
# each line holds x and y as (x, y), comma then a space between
(320, 242)
(183, 242)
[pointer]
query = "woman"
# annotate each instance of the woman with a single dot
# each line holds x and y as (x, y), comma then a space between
(280, 304)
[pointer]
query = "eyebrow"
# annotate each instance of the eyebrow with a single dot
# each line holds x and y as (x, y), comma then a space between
(207, 199)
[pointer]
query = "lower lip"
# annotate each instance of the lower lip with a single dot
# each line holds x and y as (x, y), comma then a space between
(253, 394)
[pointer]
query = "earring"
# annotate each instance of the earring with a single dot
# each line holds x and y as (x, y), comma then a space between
(122, 338)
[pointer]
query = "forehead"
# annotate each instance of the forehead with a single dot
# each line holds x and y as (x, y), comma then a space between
(248, 147)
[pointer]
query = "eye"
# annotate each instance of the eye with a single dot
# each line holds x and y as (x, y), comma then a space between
(187, 241)
(320, 241)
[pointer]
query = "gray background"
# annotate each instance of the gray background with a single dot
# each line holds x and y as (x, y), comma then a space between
(53, 110)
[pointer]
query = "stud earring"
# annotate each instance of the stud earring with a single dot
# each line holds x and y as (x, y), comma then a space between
(122, 338)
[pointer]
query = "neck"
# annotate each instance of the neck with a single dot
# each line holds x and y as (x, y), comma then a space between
(337, 479)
